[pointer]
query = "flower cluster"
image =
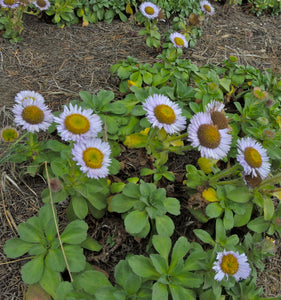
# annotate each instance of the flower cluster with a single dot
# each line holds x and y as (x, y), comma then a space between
(76, 125)
(82, 127)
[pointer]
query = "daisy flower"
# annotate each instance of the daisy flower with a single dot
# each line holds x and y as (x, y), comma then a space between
(93, 157)
(77, 124)
(216, 109)
(161, 112)
(9, 3)
(178, 40)
(42, 4)
(149, 10)
(212, 142)
(231, 263)
(32, 115)
(9, 134)
(253, 158)
(207, 8)
(24, 95)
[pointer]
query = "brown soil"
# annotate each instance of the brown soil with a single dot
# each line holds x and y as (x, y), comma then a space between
(59, 63)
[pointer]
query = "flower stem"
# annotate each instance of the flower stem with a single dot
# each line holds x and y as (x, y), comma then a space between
(224, 173)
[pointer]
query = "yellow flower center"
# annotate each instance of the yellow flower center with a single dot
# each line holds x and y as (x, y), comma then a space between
(9, 134)
(41, 3)
(93, 158)
(164, 114)
(229, 264)
(219, 119)
(77, 124)
(252, 157)
(149, 10)
(207, 7)
(9, 2)
(33, 114)
(209, 136)
(179, 41)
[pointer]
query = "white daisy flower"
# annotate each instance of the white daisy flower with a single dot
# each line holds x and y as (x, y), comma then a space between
(207, 8)
(42, 4)
(77, 124)
(9, 3)
(24, 95)
(32, 115)
(231, 263)
(93, 157)
(178, 40)
(253, 157)
(149, 10)
(216, 109)
(212, 142)
(161, 112)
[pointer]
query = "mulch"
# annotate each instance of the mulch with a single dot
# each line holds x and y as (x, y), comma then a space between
(61, 62)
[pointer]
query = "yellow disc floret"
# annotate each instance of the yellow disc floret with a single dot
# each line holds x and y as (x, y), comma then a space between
(209, 136)
(207, 8)
(33, 114)
(179, 41)
(229, 264)
(252, 157)
(149, 10)
(93, 158)
(165, 114)
(77, 124)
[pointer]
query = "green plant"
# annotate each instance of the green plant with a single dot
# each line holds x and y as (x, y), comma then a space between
(144, 208)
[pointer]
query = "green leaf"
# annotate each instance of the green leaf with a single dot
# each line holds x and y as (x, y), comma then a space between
(178, 292)
(268, 208)
(135, 221)
(190, 279)
(204, 236)
(228, 220)
(91, 244)
(91, 281)
(54, 259)
(225, 83)
(75, 257)
(172, 205)
(180, 249)
(259, 225)
(164, 225)
(50, 281)
(159, 291)
(117, 108)
(28, 233)
(75, 232)
(32, 271)
(162, 245)
(214, 210)
(132, 190)
(59, 167)
(160, 264)
(220, 230)
(80, 206)
(143, 267)
(240, 195)
(120, 203)
(16, 247)
(241, 220)
(64, 288)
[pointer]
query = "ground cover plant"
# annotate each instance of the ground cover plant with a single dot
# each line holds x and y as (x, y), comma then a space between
(168, 109)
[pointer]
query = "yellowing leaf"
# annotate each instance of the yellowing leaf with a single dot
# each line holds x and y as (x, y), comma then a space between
(135, 140)
(129, 9)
